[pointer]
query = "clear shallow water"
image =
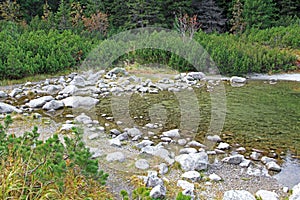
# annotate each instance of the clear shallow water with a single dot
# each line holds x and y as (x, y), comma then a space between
(258, 115)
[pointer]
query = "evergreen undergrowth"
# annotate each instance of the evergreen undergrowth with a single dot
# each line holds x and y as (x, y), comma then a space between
(35, 169)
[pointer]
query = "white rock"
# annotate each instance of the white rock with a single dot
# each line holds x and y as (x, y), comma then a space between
(80, 102)
(115, 142)
(255, 156)
(273, 166)
(195, 144)
(223, 146)
(193, 161)
(238, 195)
(3, 94)
(6, 108)
(296, 193)
(172, 133)
(185, 185)
(267, 195)
(214, 138)
(191, 175)
(83, 118)
(69, 90)
(214, 177)
(245, 163)
(39, 102)
(266, 159)
(144, 143)
(53, 105)
(93, 136)
(236, 79)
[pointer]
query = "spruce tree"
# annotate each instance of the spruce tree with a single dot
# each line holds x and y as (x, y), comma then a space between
(210, 16)
(259, 14)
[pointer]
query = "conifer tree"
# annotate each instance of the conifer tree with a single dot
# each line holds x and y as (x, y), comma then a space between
(259, 14)
(237, 21)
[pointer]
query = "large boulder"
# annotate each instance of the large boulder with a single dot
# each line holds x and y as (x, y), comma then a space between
(238, 195)
(6, 108)
(193, 161)
(80, 102)
(39, 102)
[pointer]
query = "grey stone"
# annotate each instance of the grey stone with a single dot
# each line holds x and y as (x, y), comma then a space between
(163, 168)
(3, 94)
(115, 131)
(78, 81)
(142, 164)
(241, 150)
(69, 90)
(144, 143)
(188, 150)
(116, 156)
(158, 192)
(267, 195)
(273, 166)
(133, 132)
(66, 127)
(193, 161)
(80, 102)
(53, 105)
(193, 176)
(115, 142)
(235, 159)
(6, 108)
(171, 133)
(196, 75)
(15, 91)
(96, 152)
(238, 195)
(39, 102)
(166, 139)
(52, 89)
(123, 136)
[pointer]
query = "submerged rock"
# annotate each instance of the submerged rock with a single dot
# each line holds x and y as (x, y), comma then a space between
(53, 105)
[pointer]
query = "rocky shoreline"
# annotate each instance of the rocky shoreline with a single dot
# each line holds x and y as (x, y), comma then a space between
(210, 170)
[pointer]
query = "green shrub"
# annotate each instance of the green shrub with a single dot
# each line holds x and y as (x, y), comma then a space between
(39, 52)
(283, 37)
(33, 169)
